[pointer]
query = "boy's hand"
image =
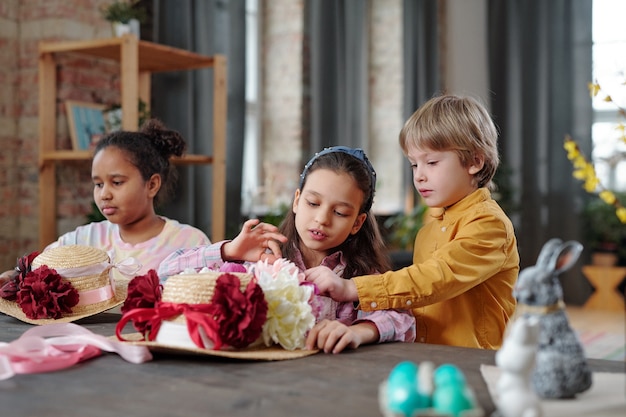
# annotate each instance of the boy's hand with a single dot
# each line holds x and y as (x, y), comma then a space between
(332, 285)
(256, 241)
(332, 336)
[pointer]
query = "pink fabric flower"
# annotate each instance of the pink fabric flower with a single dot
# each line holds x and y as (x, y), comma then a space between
(43, 294)
(9, 289)
(232, 267)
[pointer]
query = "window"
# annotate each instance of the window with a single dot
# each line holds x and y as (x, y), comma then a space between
(251, 169)
(609, 69)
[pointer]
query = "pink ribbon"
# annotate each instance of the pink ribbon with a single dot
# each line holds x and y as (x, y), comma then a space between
(94, 296)
(60, 345)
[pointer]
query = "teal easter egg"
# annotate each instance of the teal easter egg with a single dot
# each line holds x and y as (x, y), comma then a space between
(404, 373)
(452, 400)
(402, 393)
(447, 374)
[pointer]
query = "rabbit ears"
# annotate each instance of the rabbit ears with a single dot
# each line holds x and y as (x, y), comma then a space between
(558, 256)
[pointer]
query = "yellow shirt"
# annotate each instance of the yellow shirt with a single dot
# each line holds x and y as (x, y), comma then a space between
(460, 286)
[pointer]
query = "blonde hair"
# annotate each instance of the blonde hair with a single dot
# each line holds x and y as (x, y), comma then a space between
(455, 123)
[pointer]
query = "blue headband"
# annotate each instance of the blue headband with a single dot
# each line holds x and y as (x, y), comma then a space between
(359, 154)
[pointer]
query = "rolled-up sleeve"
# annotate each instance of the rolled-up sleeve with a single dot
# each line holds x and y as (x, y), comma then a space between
(392, 325)
(209, 256)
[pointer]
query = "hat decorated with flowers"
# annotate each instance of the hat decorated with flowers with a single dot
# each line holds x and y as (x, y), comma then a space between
(63, 284)
(262, 314)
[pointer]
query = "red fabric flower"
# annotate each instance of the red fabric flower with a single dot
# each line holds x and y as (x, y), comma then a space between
(240, 315)
(10, 288)
(24, 264)
(143, 292)
(43, 294)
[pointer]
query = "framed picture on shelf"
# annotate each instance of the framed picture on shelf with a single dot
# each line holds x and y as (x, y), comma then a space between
(86, 123)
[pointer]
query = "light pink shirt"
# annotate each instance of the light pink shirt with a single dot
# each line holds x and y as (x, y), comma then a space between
(106, 236)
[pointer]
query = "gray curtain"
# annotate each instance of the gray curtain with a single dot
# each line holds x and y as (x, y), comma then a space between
(336, 107)
(183, 100)
(336, 97)
(421, 72)
(540, 64)
(421, 54)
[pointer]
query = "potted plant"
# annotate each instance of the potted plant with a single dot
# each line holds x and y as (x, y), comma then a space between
(604, 233)
(401, 230)
(125, 16)
(605, 216)
(113, 115)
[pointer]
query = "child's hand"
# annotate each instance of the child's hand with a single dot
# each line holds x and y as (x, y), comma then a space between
(332, 285)
(256, 241)
(332, 336)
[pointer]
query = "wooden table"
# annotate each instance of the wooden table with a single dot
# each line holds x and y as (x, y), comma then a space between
(319, 385)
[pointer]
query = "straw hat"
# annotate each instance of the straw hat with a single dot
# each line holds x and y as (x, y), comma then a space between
(173, 335)
(87, 270)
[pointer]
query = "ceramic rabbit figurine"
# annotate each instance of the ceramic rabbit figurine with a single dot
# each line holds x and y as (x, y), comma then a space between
(516, 360)
(561, 369)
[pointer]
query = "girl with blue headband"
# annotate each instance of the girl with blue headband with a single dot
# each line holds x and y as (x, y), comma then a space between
(330, 224)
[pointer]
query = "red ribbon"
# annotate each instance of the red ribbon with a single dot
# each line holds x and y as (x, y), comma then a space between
(198, 316)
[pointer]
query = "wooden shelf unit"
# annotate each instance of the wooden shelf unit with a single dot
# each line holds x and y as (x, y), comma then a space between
(137, 61)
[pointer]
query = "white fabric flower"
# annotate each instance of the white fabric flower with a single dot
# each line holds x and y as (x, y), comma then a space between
(289, 315)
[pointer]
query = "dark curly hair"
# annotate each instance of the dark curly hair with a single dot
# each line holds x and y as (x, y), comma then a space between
(150, 150)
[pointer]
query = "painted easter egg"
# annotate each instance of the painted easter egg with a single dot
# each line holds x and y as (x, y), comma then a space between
(402, 392)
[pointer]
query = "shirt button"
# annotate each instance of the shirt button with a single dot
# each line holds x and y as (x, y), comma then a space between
(373, 305)
(408, 302)
(443, 229)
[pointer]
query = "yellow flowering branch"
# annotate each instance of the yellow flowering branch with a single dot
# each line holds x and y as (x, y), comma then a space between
(594, 90)
(585, 171)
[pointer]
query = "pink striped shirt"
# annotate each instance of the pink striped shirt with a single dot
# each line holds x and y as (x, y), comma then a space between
(106, 236)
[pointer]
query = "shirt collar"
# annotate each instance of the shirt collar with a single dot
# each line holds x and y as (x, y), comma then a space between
(331, 261)
(477, 196)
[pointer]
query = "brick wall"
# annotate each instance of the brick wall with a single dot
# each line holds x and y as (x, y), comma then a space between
(9, 139)
(385, 101)
(281, 98)
(23, 24)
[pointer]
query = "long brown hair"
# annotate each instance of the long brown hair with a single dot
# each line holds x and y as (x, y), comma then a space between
(365, 251)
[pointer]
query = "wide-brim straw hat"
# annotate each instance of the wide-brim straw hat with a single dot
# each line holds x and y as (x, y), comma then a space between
(173, 338)
(89, 268)
(252, 353)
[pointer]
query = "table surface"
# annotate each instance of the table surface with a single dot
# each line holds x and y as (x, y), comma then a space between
(173, 385)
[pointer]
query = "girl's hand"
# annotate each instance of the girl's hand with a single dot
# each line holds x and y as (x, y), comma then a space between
(332, 285)
(256, 241)
(332, 336)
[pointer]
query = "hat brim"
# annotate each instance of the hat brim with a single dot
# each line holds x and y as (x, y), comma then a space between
(12, 308)
(256, 353)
